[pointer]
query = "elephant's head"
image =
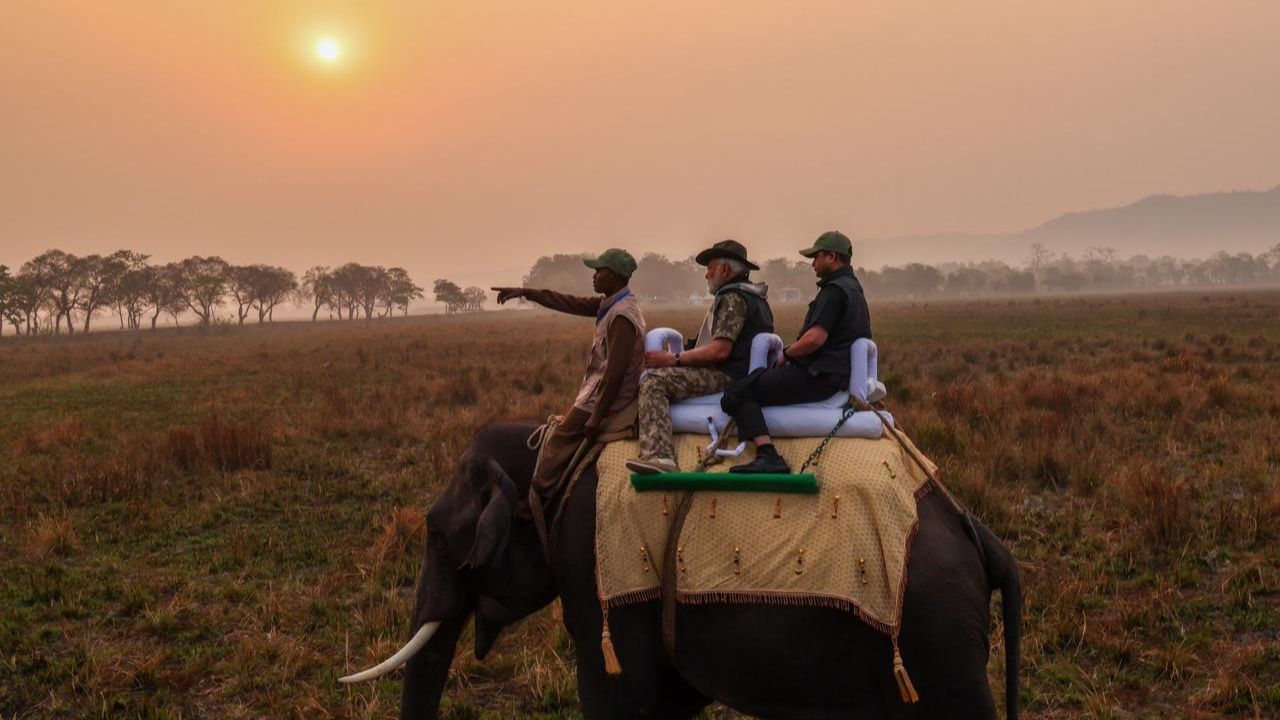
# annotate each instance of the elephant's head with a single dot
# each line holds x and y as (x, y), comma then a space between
(481, 561)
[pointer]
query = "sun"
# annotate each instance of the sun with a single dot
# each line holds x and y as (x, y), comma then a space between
(328, 49)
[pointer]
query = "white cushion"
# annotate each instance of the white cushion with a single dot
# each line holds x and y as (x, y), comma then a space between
(802, 420)
(783, 420)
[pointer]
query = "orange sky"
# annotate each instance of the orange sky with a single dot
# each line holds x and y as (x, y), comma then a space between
(467, 138)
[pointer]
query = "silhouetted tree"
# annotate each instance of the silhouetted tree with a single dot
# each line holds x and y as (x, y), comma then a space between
(473, 298)
(349, 283)
(99, 278)
(781, 274)
(317, 288)
(6, 298)
(398, 291)
(57, 275)
(166, 291)
(242, 286)
(663, 280)
(204, 283)
(450, 294)
(564, 273)
(25, 299)
(272, 286)
(128, 296)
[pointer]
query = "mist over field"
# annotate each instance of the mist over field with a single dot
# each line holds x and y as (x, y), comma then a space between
(219, 523)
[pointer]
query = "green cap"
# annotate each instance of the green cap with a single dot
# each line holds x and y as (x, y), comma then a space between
(616, 259)
(831, 240)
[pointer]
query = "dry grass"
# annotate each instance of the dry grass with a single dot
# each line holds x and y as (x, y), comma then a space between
(50, 536)
(218, 524)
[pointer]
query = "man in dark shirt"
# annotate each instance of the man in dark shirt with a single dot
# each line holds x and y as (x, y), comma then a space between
(816, 365)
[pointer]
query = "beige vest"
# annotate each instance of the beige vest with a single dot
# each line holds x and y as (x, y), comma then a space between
(629, 308)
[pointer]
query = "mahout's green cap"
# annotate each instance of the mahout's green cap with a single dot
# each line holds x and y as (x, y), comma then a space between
(832, 241)
(616, 259)
(725, 249)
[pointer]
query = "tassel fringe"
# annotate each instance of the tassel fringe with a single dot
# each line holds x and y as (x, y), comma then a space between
(611, 665)
(905, 688)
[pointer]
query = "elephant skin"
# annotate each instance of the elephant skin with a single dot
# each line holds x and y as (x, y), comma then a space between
(485, 562)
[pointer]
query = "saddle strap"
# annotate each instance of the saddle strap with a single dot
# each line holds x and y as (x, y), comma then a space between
(671, 555)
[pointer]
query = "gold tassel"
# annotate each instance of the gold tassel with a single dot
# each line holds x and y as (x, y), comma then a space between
(905, 688)
(611, 664)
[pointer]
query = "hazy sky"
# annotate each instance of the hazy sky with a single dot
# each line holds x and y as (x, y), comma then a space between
(467, 138)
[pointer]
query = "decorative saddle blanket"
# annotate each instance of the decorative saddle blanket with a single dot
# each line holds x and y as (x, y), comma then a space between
(845, 547)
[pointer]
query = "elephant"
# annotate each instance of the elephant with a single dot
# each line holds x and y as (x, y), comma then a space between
(483, 560)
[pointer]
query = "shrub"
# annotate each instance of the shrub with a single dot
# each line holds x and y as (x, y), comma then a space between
(1158, 504)
(51, 535)
(231, 447)
(182, 448)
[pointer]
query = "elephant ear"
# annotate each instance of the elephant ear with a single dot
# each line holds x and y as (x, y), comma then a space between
(493, 529)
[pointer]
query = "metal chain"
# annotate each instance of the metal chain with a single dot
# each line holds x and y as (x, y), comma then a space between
(813, 456)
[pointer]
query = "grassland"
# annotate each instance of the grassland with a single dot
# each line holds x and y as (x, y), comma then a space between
(218, 524)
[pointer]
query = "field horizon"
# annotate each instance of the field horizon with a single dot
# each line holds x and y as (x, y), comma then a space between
(219, 522)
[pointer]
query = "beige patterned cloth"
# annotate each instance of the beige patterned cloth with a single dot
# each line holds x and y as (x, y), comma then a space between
(845, 547)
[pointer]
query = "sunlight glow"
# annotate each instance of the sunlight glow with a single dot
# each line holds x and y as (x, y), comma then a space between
(328, 49)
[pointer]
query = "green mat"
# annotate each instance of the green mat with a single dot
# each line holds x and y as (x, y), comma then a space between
(805, 484)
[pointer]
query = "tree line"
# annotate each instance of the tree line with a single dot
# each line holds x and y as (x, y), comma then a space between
(660, 279)
(456, 300)
(57, 291)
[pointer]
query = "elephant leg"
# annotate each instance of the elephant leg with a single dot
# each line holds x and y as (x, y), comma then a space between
(952, 679)
(945, 620)
(648, 688)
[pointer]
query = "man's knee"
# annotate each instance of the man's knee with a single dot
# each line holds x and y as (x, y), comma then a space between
(655, 382)
(731, 401)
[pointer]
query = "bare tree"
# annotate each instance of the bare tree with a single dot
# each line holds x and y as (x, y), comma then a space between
(242, 285)
(56, 273)
(129, 296)
(204, 285)
(449, 293)
(399, 290)
(25, 299)
(6, 298)
(356, 287)
(1040, 256)
(99, 279)
(347, 280)
(473, 298)
(273, 285)
(317, 288)
(166, 291)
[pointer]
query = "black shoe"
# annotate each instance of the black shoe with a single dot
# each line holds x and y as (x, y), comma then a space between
(772, 464)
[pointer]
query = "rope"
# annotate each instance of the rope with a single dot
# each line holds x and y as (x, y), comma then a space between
(540, 433)
(536, 511)
(670, 556)
(933, 477)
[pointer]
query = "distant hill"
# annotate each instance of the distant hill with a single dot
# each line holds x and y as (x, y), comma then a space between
(1193, 226)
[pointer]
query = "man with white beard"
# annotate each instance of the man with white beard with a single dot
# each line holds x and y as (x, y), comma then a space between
(720, 356)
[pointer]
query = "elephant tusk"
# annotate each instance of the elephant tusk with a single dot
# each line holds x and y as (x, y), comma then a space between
(411, 648)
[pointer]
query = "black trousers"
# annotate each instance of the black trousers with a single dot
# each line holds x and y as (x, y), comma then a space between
(786, 385)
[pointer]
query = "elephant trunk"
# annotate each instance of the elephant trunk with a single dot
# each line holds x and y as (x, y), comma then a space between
(427, 671)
